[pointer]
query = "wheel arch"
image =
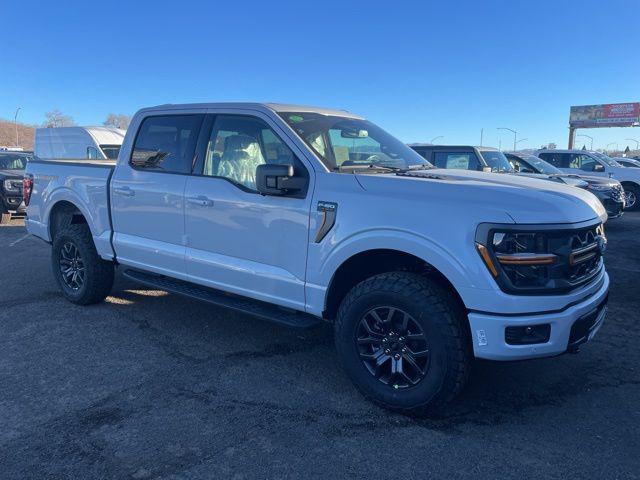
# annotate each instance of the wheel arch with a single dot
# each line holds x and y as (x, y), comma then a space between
(368, 263)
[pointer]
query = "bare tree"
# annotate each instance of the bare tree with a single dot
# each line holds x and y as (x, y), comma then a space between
(117, 121)
(55, 118)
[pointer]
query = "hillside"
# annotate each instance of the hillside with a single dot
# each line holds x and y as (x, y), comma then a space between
(8, 134)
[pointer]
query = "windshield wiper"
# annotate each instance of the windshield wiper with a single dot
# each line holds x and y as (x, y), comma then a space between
(388, 168)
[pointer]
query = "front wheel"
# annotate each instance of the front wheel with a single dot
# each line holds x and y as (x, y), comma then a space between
(82, 275)
(403, 342)
(631, 194)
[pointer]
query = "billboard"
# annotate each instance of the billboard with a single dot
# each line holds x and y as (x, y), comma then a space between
(607, 115)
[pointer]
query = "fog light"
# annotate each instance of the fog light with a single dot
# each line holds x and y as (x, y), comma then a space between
(528, 335)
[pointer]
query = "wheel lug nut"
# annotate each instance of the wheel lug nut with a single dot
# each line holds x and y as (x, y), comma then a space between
(404, 350)
(387, 351)
(397, 356)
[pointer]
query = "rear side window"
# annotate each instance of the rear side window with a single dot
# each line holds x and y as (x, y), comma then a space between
(557, 159)
(166, 143)
(455, 160)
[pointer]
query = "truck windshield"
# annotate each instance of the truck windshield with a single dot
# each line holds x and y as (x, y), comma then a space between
(12, 162)
(606, 159)
(496, 160)
(343, 142)
(110, 151)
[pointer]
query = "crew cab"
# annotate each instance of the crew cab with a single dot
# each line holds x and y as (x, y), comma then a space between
(12, 165)
(599, 164)
(301, 214)
(608, 190)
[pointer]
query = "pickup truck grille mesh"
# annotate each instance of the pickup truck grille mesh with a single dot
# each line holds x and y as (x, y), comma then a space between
(559, 260)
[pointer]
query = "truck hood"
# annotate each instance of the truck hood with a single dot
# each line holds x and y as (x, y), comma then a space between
(524, 199)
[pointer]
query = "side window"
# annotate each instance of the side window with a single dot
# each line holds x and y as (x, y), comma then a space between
(559, 160)
(581, 161)
(516, 164)
(461, 161)
(238, 144)
(166, 143)
(92, 152)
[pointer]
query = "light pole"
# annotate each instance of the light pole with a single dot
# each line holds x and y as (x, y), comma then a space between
(612, 143)
(521, 140)
(515, 135)
(590, 138)
(634, 140)
(15, 122)
(435, 138)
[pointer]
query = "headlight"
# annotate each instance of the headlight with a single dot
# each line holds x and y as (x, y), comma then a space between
(600, 188)
(12, 185)
(549, 259)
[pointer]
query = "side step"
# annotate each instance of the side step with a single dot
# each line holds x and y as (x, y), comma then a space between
(264, 310)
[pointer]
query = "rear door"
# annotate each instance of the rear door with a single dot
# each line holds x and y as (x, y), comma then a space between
(147, 194)
(237, 239)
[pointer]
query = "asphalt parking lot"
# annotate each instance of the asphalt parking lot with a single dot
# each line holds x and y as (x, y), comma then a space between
(152, 385)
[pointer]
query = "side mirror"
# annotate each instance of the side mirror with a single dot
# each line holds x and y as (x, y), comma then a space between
(598, 168)
(275, 179)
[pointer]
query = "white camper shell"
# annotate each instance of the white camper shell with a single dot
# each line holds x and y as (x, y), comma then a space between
(100, 143)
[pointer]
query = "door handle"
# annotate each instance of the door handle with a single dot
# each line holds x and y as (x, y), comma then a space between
(126, 191)
(200, 201)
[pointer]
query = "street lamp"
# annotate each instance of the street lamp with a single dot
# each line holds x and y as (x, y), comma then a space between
(634, 140)
(15, 122)
(515, 135)
(612, 143)
(590, 138)
(521, 140)
(435, 138)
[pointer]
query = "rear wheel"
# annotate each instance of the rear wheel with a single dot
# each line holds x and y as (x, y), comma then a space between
(82, 275)
(402, 341)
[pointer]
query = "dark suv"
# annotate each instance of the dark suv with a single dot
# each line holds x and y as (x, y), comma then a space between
(608, 190)
(12, 165)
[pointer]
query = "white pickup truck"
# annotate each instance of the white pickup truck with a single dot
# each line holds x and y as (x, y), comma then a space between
(299, 214)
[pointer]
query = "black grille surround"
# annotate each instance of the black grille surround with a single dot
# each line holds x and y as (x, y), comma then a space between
(576, 250)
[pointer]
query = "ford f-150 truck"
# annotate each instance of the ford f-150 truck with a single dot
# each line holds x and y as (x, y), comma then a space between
(299, 214)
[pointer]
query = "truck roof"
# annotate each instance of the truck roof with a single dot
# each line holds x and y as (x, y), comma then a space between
(102, 135)
(271, 107)
(445, 147)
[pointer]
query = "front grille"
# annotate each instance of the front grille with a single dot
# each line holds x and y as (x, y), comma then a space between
(617, 193)
(547, 260)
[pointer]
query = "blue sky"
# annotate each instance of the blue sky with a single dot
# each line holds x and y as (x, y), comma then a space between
(419, 69)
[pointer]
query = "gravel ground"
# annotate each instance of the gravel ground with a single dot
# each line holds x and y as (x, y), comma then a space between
(152, 385)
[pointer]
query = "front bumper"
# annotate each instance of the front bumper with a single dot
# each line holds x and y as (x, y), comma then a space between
(488, 330)
(14, 204)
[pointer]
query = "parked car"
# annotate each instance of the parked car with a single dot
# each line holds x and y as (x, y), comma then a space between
(464, 157)
(78, 142)
(608, 190)
(628, 162)
(599, 164)
(299, 214)
(12, 165)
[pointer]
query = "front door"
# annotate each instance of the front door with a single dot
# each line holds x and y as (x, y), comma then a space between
(147, 195)
(237, 239)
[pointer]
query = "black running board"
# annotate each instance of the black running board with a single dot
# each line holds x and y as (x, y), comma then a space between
(256, 308)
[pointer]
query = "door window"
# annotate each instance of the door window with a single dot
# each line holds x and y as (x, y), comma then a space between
(559, 160)
(460, 161)
(582, 161)
(92, 152)
(166, 143)
(238, 144)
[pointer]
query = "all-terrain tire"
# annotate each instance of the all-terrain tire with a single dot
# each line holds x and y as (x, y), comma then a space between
(98, 273)
(443, 322)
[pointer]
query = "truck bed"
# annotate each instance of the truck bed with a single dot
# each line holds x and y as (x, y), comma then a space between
(83, 183)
